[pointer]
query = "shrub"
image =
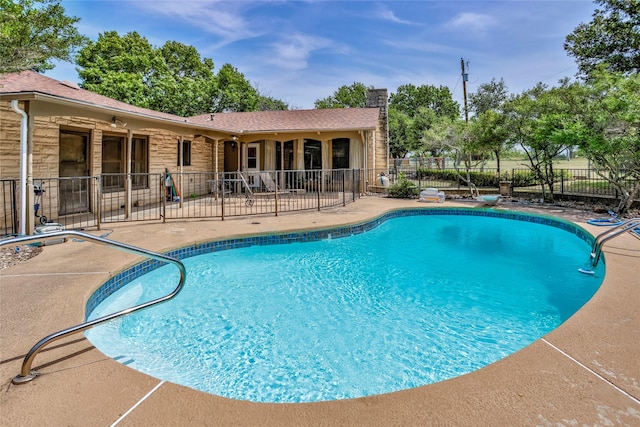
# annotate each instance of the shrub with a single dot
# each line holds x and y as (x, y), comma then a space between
(403, 188)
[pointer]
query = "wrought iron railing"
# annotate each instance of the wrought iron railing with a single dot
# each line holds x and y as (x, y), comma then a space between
(88, 202)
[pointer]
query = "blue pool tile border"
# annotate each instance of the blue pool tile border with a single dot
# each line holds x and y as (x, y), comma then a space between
(132, 273)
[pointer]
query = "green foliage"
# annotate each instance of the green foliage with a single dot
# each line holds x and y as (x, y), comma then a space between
(519, 178)
(235, 93)
(412, 112)
(172, 79)
(490, 132)
(403, 188)
(400, 126)
(537, 119)
(33, 32)
(612, 37)
(441, 134)
(489, 97)
(120, 67)
(409, 98)
(354, 96)
(185, 84)
(608, 131)
(267, 103)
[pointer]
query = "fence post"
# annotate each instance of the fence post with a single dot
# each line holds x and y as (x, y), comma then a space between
(353, 185)
(318, 184)
(344, 196)
(163, 193)
(98, 201)
(223, 187)
(275, 196)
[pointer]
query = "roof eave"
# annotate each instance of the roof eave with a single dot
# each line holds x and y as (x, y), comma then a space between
(107, 112)
(353, 129)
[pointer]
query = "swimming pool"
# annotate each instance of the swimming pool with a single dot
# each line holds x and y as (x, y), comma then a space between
(268, 324)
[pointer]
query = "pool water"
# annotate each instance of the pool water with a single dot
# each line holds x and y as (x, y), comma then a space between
(417, 300)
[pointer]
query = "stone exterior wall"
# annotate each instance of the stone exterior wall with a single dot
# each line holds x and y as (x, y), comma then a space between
(162, 152)
(379, 150)
(163, 145)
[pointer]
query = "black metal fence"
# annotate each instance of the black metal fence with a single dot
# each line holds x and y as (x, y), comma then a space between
(567, 182)
(9, 200)
(198, 195)
(85, 202)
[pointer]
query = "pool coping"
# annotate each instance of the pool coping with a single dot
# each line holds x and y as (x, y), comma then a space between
(570, 376)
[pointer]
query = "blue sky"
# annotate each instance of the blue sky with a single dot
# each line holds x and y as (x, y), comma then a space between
(301, 51)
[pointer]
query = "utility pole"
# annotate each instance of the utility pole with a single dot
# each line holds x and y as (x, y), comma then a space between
(465, 77)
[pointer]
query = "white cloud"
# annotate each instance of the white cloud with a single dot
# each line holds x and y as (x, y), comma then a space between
(388, 15)
(417, 46)
(473, 21)
(293, 52)
(221, 18)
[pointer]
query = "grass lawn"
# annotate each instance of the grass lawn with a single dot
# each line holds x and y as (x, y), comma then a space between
(506, 164)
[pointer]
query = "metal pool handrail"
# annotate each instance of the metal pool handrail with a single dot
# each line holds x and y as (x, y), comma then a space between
(602, 238)
(26, 374)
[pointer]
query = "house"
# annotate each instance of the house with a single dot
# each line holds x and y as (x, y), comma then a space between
(54, 129)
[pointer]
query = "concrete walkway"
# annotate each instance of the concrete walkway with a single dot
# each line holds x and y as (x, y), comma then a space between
(586, 372)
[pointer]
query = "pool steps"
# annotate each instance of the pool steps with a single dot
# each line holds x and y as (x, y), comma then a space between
(626, 225)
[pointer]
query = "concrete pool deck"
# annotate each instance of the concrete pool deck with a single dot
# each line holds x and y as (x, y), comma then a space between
(586, 372)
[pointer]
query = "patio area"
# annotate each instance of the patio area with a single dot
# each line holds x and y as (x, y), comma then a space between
(586, 372)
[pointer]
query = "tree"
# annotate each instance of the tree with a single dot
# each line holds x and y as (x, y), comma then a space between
(423, 120)
(234, 93)
(489, 130)
(33, 32)
(409, 98)
(536, 119)
(453, 136)
(185, 84)
(418, 106)
(173, 78)
(400, 126)
(121, 67)
(609, 132)
(489, 123)
(354, 96)
(612, 37)
(268, 103)
(489, 96)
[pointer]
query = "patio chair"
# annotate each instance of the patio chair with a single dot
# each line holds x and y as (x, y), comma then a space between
(272, 188)
(270, 185)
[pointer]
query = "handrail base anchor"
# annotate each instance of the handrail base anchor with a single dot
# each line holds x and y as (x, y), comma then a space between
(19, 379)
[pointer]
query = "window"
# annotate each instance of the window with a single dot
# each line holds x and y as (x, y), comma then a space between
(312, 154)
(340, 153)
(114, 159)
(286, 156)
(186, 153)
(252, 157)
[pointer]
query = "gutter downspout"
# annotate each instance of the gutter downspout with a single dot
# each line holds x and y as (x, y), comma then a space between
(365, 165)
(23, 166)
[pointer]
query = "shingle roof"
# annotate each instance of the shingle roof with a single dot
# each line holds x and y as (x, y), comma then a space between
(293, 120)
(30, 82)
(27, 82)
